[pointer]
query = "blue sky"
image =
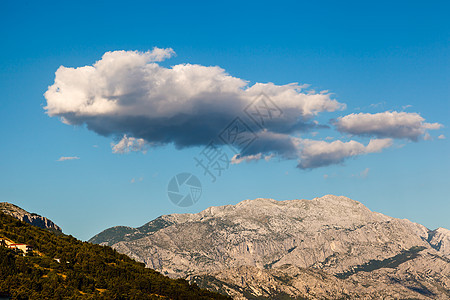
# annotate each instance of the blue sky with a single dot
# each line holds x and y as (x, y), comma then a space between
(373, 57)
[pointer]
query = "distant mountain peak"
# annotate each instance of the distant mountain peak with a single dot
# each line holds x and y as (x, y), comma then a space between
(442, 230)
(248, 249)
(31, 218)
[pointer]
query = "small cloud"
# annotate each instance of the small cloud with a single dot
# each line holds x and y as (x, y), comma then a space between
(379, 104)
(329, 176)
(237, 159)
(314, 133)
(133, 180)
(130, 144)
(315, 154)
(329, 138)
(64, 158)
(406, 106)
(362, 174)
(95, 146)
(386, 124)
(441, 137)
(427, 137)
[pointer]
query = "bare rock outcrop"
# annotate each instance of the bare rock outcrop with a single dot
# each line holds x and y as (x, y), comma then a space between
(325, 248)
(31, 218)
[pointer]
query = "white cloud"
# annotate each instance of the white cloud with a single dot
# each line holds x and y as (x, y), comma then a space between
(441, 137)
(427, 137)
(128, 93)
(129, 96)
(237, 159)
(379, 104)
(316, 154)
(386, 124)
(363, 174)
(133, 180)
(64, 158)
(130, 144)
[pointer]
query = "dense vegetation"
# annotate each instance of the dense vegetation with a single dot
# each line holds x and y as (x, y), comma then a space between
(63, 267)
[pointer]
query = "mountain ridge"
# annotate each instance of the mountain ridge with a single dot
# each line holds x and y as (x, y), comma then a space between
(30, 218)
(333, 234)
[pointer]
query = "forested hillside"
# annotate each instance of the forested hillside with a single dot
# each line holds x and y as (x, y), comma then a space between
(62, 267)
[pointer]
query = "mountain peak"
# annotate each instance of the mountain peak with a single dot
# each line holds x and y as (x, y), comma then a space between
(31, 218)
(264, 243)
(442, 230)
(338, 200)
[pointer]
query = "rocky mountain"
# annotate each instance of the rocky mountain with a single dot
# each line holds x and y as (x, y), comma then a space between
(326, 248)
(30, 218)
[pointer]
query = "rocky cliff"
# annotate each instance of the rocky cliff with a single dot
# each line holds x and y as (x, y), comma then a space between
(31, 218)
(326, 248)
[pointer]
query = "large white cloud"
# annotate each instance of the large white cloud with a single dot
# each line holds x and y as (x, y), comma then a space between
(386, 124)
(127, 92)
(130, 96)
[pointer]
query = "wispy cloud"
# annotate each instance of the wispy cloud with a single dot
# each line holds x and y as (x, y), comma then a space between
(133, 180)
(64, 158)
(362, 174)
(376, 105)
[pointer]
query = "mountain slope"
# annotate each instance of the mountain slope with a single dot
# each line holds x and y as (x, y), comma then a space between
(61, 267)
(31, 218)
(334, 235)
(123, 233)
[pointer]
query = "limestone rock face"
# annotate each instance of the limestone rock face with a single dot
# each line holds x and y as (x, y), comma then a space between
(325, 248)
(439, 239)
(31, 218)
